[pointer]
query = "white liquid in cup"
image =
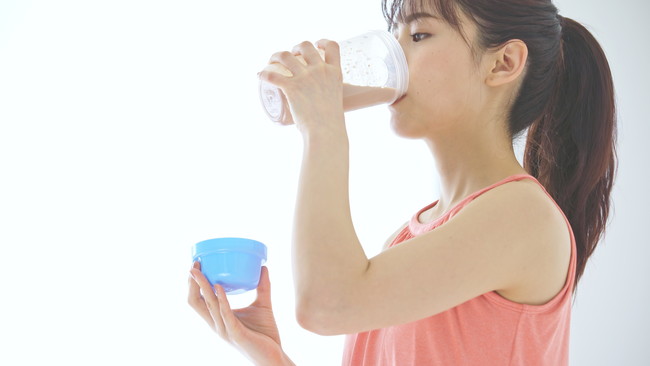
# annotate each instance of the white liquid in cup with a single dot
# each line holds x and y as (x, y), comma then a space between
(374, 72)
(357, 97)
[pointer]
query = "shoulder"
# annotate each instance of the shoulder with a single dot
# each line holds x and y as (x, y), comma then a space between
(522, 214)
(524, 202)
(515, 212)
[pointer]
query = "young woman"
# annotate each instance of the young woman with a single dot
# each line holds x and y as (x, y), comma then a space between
(485, 275)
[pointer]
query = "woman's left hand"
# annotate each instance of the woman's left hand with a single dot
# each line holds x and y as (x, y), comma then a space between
(252, 330)
(315, 90)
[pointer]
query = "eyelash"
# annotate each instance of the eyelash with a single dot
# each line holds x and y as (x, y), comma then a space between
(418, 34)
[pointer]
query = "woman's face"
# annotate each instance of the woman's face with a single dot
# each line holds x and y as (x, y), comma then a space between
(445, 86)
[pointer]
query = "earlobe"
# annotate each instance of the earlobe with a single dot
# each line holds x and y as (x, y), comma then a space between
(508, 64)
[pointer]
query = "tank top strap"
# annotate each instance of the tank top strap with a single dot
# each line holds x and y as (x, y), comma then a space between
(417, 228)
(566, 291)
(512, 178)
(473, 196)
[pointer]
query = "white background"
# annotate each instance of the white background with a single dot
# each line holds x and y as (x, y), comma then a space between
(130, 130)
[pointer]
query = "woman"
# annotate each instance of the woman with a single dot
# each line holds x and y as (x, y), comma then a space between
(485, 275)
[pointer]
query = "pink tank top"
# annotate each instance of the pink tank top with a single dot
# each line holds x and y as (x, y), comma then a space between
(487, 330)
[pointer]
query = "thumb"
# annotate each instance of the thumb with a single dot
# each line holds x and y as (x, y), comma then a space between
(264, 289)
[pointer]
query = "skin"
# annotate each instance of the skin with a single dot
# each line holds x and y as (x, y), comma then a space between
(513, 240)
(252, 330)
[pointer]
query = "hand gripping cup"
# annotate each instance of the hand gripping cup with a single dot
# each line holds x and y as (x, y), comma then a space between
(374, 72)
(233, 263)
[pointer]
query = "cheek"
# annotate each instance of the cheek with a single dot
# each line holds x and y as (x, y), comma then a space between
(443, 84)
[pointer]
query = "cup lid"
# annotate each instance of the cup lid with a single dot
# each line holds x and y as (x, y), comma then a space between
(222, 245)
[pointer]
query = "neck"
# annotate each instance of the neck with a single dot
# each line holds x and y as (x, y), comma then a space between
(470, 162)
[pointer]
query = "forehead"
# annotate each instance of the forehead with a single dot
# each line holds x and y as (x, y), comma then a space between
(446, 12)
(418, 17)
(405, 11)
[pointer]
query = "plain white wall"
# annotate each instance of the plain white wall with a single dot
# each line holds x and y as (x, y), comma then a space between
(130, 130)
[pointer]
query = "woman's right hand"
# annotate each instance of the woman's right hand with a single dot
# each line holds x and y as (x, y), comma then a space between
(252, 330)
(311, 79)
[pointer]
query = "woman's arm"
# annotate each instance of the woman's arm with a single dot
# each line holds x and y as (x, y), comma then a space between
(323, 236)
(392, 238)
(326, 251)
(511, 239)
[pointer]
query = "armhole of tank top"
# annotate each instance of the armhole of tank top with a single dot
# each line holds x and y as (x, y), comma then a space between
(400, 236)
(565, 294)
(493, 296)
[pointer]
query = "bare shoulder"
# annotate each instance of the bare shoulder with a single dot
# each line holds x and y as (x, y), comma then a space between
(526, 203)
(512, 239)
(539, 233)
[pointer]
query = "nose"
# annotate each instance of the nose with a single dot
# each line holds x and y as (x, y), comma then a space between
(402, 39)
(396, 34)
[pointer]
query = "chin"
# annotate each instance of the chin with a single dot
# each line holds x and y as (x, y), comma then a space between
(404, 128)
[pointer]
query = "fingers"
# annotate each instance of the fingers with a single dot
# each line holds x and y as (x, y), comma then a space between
(211, 302)
(308, 52)
(301, 56)
(264, 289)
(233, 325)
(197, 303)
(288, 60)
(272, 77)
(282, 65)
(332, 51)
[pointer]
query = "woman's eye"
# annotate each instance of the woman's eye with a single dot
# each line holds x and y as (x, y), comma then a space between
(417, 37)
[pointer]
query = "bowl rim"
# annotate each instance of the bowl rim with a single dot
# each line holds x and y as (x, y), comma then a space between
(229, 245)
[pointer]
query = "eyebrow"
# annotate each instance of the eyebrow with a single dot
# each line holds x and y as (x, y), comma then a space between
(415, 16)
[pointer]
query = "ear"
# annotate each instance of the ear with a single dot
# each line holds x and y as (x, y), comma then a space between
(507, 63)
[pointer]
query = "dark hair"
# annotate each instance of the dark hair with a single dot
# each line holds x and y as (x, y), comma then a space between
(566, 101)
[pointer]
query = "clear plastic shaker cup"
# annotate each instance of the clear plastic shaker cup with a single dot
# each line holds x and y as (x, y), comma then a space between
(374, 72)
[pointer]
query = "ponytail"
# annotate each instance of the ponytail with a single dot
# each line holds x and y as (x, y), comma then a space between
(571, 148)
(566, 101)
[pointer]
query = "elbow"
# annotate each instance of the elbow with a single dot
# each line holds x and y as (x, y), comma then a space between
(318, 318)
(329, 310)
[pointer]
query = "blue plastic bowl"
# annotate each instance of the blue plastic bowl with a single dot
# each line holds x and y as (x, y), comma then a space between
(233, 263)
